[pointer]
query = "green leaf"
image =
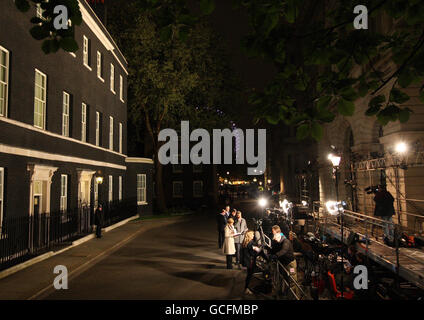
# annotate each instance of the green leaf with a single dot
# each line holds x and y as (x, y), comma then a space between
(291, 11)
(68, 44)
(349, 94)
(405, 79)
(39, 32)
(323, 102)
(165, 33)
(398, 96)
(404, 115)
(317, 131)
(207, 6)
(22, 5)
(346, 108)
(302, 132)
(50, 46)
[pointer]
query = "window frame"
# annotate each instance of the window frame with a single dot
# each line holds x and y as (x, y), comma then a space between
(112, 78)
(111, 123)
(100, 66)
(6, 83)
(173, 189)
(86, 52)
(43, 102)
(121, 88)
(120, 137)
(66, 117)
(141, 190)
(110, 189)
(98, 128)
(83, 122)
(198, 195)
(63, 198)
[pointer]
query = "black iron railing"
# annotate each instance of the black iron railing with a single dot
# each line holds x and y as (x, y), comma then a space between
(27, 236)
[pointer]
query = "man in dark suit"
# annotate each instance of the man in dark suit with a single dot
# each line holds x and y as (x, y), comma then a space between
(221, 221)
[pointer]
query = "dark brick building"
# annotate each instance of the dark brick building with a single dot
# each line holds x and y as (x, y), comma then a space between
(63, 122)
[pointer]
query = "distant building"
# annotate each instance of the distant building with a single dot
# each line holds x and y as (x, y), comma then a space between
(63, 122)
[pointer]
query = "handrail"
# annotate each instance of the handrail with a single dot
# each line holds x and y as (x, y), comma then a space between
(280, 265)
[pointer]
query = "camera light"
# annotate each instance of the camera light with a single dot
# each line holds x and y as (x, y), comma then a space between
(334, 207)
(263, 202)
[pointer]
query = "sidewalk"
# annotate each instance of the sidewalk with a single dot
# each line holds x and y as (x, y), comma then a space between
(36, 281)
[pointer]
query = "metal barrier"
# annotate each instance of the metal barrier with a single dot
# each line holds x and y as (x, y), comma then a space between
(27, 236)
(282, 275)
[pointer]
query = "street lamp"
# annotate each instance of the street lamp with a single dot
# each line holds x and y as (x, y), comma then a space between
(335, 161)
(401, 147)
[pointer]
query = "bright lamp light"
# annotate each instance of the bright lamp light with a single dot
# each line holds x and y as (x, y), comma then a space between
(401, 147)
(335, 159)
(304, 203)
(285, 205)
(263, 202)
(333, 207)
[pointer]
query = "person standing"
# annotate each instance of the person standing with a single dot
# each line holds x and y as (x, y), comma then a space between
(250, 252)
(221, 221)
(233, 215)
(229, 248)
(227, 212)
(384, 209)
(241, 227)
(98, 220)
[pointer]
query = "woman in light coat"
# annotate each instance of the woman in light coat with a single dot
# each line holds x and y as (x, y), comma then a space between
(229, 248)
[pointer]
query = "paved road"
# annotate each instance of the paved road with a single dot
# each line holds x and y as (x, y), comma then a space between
(179, 260)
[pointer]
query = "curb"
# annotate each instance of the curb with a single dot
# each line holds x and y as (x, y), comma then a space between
(28, 263)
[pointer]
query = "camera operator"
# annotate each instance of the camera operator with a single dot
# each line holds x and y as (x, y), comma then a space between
(384, 209)
(282, 250)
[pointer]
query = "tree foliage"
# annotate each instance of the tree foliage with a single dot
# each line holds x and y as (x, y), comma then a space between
(44, 30)
(324, 65)
(172, 78)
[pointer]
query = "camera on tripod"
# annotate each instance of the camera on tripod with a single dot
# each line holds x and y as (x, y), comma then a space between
(371, 189)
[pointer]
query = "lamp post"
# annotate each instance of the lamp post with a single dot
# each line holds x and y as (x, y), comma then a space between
(335, 161)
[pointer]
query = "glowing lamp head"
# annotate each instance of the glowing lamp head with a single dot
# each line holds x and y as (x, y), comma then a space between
(99, 180)
(285, 205)
(401, 147)
(263, 202)
(304, 203)
(334, 207)
(335, 159)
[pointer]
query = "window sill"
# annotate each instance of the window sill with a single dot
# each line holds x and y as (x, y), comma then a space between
(101, 79)
(88, 67)
(142, 203)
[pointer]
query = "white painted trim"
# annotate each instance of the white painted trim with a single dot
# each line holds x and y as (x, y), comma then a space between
(95, 28)
(6, 106)
(55, 157)
(73, 54)
(33, 128)
(138, 160)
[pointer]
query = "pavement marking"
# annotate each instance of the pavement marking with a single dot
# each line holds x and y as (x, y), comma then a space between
(45, 291)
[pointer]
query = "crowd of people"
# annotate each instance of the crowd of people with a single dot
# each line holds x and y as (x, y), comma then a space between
(242, 246)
